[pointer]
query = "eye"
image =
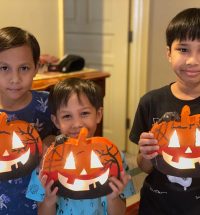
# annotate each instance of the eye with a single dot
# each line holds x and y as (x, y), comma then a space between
(197, 143)
(183, 50)
(174, 142)
(24, 68)
(85, 113)
(95, 162)
(66, 116)
(70, 162)
(3, 68)
(16, 142)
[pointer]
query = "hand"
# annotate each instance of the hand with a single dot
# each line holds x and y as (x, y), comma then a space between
(148, 145)
(118, 185)
(50, 195)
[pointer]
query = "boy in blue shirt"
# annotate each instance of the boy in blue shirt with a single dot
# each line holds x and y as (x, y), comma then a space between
(77, 103)
(19, 61)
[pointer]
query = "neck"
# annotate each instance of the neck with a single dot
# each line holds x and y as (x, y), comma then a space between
(14, 105)
(185, 92)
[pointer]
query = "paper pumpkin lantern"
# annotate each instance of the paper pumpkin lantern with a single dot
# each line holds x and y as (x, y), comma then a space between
(20, 148)
(179, 141)
(81, 167)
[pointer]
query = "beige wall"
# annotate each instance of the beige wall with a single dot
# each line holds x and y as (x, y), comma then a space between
(161, 12)
(40, 17)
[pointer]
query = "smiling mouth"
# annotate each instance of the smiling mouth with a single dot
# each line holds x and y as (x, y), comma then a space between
(192, 73)
(183, 163)
(7, 166)
(83, 185)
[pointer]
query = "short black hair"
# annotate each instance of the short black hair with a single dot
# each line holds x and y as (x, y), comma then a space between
(61, 92)
(185, 25)
(12, 37)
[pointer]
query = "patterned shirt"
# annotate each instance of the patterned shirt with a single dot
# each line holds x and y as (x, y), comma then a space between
(12, 192)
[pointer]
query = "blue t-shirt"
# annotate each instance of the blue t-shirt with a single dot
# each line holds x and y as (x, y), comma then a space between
(13, 192)
(67, 206)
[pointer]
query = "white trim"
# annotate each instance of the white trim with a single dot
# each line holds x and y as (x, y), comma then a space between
(138, 58)
(61, 28)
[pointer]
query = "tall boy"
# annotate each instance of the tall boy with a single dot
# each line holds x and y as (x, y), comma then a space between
(163, 194)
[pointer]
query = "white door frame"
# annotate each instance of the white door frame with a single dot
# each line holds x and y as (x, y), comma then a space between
(138, 60)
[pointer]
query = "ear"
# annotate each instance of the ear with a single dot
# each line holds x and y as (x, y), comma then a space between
(169, 54)
(55, 121)
(99, 114)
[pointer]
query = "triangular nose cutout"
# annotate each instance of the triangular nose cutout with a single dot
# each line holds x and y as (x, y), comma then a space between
(83, 172)
(188, 150)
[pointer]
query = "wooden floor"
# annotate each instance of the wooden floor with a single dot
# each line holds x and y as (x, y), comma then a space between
(132, 209)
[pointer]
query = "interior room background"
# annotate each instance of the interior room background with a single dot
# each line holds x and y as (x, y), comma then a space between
(125, 38)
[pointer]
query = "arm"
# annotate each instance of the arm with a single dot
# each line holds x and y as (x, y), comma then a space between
(116, 205)
(48, 206)
(147, 150)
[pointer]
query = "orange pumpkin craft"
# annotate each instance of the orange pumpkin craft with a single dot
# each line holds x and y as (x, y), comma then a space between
(20, 148)
(81, 167)
(179, 141)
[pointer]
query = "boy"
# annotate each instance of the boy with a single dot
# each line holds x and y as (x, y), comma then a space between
(163, 194)
(76, 103)
(19, 58)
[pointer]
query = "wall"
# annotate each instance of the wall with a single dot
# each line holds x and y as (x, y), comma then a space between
(161, 12)
(43, 18)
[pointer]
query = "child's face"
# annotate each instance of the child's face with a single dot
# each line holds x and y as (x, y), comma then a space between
(184, 57)
(17, 70)
(77, 114)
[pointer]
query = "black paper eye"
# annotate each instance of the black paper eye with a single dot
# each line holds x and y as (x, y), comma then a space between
(60, 139)
(169, 116)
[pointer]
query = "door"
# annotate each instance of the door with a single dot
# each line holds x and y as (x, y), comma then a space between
(98, 31)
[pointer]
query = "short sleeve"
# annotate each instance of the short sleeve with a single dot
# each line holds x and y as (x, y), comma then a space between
(35, 189)
(129, 189)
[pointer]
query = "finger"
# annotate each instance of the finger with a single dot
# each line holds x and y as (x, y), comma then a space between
(49, 184)
(55, 190)
(147, 135)
(125, 177)
(150, 156)
(43, 180)
(116, 184)
(114, 188)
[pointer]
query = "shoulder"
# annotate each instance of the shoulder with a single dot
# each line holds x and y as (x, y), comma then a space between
(156, 94)
(40, 100)
(41, 94)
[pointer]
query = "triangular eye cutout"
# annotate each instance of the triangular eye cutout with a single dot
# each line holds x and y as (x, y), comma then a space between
(197, 143)
(70, 162)
(5, 153)
(174, 142)
(95, 162)
(16, 142)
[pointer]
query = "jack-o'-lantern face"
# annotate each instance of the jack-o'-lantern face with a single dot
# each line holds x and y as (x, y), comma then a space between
(81, 167)
(20, 148)
(179, 141)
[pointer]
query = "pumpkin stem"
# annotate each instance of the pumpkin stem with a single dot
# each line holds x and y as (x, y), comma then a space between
(82, 135)
(4, 118)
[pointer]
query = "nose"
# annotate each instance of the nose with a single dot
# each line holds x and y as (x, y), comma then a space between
(77, 122)
(193, 59)
(15, 77)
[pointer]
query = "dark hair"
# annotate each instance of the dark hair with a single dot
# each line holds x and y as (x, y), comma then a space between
(61, 92)
(12, 37)
(185, 25)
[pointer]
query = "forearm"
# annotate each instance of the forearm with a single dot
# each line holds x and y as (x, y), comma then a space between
(116, 206)
(144, 164)
(45, 208)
